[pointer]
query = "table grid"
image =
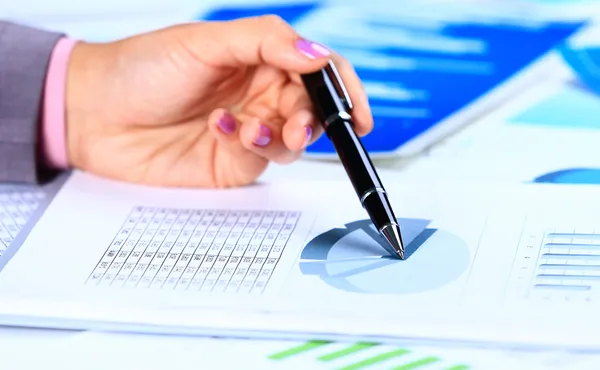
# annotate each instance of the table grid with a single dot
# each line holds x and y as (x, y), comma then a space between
(226, 251)
(558, 264)
(569, 263)
(16, 207)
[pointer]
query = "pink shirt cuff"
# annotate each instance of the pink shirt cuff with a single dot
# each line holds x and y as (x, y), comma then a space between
(53, 120)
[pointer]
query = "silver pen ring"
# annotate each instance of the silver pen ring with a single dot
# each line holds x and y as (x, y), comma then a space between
(369, 192)
(388, 224)
(343, 115)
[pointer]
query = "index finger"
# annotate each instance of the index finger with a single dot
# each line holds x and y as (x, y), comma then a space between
(361, 111)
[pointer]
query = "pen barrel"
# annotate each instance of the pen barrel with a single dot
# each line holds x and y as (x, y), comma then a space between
(353, 155)
(361, 171)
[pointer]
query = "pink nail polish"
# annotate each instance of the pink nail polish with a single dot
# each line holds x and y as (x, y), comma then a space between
(226, 123)
(264, 136)
(312, 49)
(308, 131)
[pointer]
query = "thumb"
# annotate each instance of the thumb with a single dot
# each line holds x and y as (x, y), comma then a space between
(252, 41)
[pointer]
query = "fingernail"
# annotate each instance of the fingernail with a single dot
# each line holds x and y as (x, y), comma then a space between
(264, 136)
(226, 123)
(312, 49)
(308, 131)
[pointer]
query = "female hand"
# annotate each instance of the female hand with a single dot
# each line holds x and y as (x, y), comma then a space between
(205, 104)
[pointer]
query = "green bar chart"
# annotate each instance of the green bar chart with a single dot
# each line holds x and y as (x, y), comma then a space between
(361, 356)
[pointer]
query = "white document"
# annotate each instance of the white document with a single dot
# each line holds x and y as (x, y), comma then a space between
(148, 352)
(17, 204)
(549, 170)
(506, 265)
(20, 206)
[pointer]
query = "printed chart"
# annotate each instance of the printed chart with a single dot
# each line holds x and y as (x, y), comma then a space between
(200, 250)
(357, 356)
(157, 352)
(353, 260)
(557, 264)
(367, 356)
(572, 107)
(409, 58)
(553, 130)
(585, 62)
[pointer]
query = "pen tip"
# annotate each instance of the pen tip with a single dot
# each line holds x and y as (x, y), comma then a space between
(391, 233)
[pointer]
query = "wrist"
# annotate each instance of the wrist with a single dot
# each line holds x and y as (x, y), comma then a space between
(82, 106)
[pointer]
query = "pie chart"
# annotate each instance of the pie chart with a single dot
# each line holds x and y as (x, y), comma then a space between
(353, 259)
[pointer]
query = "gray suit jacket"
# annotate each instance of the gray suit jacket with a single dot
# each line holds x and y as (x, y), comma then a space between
(24, 56)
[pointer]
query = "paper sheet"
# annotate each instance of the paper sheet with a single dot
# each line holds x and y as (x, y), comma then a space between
(493, 264)
(20, 206)
(149, 352)
(17, 204)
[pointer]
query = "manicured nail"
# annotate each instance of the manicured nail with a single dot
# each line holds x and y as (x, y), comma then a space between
(226, 123)
(312, 49)
(308, 131)
(264, 136)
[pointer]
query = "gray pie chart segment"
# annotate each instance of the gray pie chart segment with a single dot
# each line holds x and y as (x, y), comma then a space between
(353, 259)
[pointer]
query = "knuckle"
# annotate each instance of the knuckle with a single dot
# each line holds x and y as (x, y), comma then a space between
(274, 20)
(343, 65)
(287, 158)
(341, 62)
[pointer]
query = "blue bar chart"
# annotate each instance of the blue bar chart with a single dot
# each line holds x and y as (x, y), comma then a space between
(561, 264)
(569, 261)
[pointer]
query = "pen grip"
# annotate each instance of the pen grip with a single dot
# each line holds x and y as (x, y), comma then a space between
(354, 157)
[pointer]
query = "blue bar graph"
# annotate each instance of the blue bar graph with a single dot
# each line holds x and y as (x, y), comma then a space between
(567, 269)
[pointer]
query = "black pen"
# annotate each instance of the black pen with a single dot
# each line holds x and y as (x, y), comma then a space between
(333, 108)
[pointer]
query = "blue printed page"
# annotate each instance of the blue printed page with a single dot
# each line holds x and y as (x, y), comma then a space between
(548, 133)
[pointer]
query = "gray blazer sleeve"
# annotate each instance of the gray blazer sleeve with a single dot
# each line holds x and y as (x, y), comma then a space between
(24, 56)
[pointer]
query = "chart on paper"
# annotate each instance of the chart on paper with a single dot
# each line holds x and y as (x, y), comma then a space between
(557, 264)
(368, 269)
(272, 252)
(196, 250)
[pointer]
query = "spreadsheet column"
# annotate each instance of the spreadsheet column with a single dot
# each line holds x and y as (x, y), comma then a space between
(193, 248)
(181, 251)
